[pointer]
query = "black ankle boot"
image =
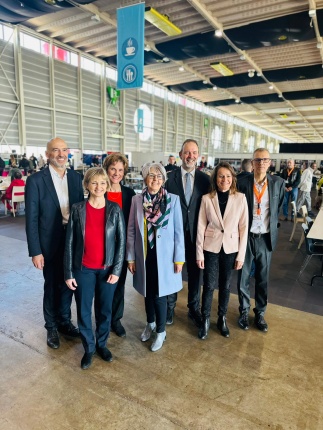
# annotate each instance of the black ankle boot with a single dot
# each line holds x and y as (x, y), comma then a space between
(222, 326)
(204, 329)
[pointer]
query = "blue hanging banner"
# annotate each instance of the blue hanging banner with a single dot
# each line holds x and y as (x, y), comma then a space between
(130, 46)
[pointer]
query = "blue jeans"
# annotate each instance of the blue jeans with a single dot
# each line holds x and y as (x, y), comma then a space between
(292, 195)
(93, 283)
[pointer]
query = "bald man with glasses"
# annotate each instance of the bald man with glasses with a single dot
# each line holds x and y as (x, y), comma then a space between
(265, 196)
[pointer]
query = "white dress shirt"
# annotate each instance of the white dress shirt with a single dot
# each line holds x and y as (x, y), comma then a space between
(192, 173)
(260, 223)
(61, 188)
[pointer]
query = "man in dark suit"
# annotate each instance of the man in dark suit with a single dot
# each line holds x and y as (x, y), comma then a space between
(49, 196)
(190, 185)
(265, 195)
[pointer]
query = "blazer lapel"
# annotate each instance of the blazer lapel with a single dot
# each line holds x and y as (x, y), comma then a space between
(140, 215)
(179, 184)
(215, 203)
(50, 186)
(229, 205)
(270, 183)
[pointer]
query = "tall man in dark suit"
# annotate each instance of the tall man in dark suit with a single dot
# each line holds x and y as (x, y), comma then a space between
(190, 184)
(265, 195)
(49, 196)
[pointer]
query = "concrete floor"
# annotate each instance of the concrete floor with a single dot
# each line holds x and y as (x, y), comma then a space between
(250, 381)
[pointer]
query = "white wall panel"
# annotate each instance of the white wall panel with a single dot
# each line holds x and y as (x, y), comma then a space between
(92, 138)
(91, 94)
(68, 128)
(9, 124)
(189, 123)
(66, 87)
(7, 72)
(38, 126)
(36, 84)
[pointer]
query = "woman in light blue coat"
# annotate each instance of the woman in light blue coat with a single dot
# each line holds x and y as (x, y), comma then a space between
(155, 249)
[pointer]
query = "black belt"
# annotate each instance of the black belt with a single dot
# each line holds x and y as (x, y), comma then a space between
(258, 235)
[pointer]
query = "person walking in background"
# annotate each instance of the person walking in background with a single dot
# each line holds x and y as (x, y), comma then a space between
(246, 169)
(305, 186)
(264, 194)
(94, 255)
(171, 164)
(49, 196)
(221, 241)
(116, 166)
(2, 166)
(155, 249)
(292, 176)
(41, 162)
(190, 185)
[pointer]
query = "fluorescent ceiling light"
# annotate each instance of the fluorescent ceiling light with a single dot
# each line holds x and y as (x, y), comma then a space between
(218, 33)
(221, 68)
(215, 88)
(312, 13)
(161, 21)
(181, 69)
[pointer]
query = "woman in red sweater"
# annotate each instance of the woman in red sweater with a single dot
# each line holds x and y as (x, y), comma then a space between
(16, 182)
(93, 259)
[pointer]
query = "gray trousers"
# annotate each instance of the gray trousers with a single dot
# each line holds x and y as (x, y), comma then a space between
(258, 250)
(304, 197)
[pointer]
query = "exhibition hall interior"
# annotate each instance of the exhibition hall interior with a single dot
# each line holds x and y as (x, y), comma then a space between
(228, 87)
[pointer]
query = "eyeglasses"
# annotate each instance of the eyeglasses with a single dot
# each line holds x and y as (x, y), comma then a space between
(158, 177)
(259, 160)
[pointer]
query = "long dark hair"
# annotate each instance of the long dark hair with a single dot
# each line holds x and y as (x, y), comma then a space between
(214, 187)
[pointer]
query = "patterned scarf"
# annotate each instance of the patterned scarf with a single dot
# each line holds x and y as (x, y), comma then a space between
(156, 212)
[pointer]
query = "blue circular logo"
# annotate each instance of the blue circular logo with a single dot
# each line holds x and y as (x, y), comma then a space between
(130, 48)
(129, 74)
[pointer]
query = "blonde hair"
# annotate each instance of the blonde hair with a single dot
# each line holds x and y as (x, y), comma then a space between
(95, 171)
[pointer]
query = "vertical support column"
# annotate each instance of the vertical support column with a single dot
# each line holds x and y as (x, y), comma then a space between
(103, 109)
(165, 125)
(52, 89)
(20, 90)
(123, 148)
(80, 104)
(176, 109)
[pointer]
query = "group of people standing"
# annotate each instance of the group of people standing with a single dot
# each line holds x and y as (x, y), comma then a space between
(217, 224)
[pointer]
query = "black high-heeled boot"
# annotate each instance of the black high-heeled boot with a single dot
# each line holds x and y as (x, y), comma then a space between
(222, 326)
(204, 329)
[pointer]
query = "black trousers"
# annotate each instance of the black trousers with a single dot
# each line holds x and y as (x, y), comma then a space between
(217, 274)
(118, 298)
(193, 275)
(156, 306)
(258, 249)
(57, 296)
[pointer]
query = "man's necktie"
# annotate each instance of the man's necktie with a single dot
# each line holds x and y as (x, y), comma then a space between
(188, 188)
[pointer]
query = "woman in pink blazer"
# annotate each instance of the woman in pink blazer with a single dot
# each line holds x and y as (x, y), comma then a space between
(221, 242)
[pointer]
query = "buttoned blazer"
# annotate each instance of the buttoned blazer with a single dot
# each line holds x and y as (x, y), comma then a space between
(190, 212)
(276, 188)
(231, 231)
(43, 213)
(170, 247)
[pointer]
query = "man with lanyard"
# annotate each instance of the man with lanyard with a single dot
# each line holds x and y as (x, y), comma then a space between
(292, 176)
(265, 194)
(49, 196)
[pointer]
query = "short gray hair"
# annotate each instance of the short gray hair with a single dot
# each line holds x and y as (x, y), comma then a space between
(146, 169)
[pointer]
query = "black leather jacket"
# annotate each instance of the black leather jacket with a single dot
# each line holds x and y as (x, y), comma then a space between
(115, 238)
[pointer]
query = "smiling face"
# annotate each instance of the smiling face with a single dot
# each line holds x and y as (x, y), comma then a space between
(116, 172)
(189, 156)
(97, 186)
(223, 179)
(154, 180)
(57, 153)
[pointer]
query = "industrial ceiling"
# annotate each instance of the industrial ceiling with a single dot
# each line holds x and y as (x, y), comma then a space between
(273, 48)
